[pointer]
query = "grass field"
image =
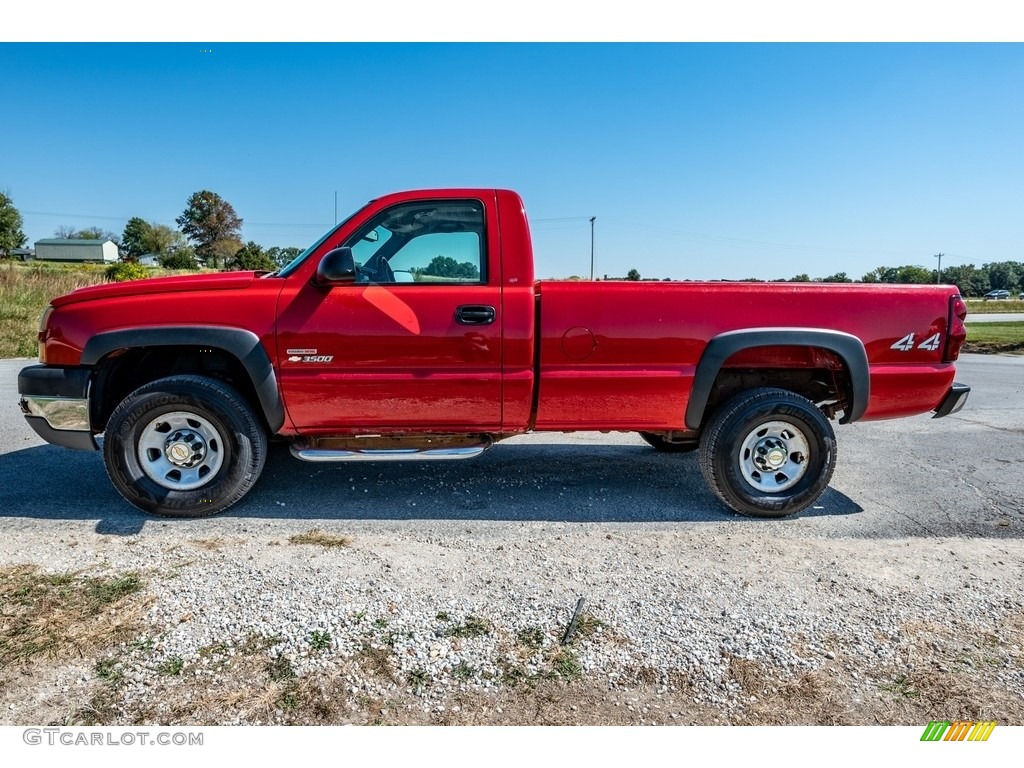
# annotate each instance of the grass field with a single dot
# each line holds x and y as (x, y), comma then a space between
(996, 337)
(25, 290)
(979, 307)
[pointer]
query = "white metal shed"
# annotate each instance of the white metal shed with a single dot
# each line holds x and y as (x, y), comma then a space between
(61, 249)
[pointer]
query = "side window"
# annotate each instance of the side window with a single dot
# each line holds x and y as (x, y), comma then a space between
(369, 244)
(430, 242)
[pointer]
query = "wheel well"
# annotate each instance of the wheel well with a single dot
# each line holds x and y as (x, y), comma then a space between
(820, 375)
(123, 371)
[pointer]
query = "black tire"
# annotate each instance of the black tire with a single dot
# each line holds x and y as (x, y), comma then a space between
(768, 453)
(660, 443)
(206, 447)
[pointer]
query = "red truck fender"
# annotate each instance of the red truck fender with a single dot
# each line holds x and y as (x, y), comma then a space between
(848, 347)
(244, 345)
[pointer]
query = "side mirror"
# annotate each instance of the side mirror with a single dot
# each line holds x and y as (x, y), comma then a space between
(336, 267)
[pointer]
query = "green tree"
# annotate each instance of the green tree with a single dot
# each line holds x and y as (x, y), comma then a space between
(838, 277)
(1004, 275)
(133, 239)
(251, 256)
(968, 278)
(212, 225)
(908, 273)
(880, 275)
(802, 278)
(11, 235)
(633, 274)
(446, 266)
(182, 258)
(282, 256)
(914, 274)
(161, 239)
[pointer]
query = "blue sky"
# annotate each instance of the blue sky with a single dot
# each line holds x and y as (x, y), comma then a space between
(699, 160)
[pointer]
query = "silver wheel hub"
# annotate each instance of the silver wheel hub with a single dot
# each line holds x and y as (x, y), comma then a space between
(180, 451)
(185, 448)
(773, 456)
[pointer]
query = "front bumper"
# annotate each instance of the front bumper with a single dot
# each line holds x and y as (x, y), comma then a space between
(55, 402)
(954, 400)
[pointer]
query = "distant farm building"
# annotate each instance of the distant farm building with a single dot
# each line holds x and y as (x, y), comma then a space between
(60, 249)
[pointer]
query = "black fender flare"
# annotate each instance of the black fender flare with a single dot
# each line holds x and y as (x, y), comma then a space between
(242, 344)
(725, 345)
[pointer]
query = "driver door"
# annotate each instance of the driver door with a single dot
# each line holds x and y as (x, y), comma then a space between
(414, 344)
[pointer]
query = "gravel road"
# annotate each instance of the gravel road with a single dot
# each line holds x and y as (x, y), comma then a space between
(896, 599)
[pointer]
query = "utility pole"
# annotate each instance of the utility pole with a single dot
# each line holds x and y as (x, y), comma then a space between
(592, 218)
(938, 272)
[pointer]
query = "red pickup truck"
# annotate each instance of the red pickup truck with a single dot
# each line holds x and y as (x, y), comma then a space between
(416, 329)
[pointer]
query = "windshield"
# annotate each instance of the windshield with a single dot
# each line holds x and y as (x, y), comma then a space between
(292, 265)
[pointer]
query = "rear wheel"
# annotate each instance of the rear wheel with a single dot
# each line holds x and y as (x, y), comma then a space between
(184, 446)
(768, 453)
(663, 444)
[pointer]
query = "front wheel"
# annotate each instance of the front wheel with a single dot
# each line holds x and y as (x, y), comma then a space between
(768, 453)
(184, 446)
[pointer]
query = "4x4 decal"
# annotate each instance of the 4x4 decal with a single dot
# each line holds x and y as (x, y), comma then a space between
(907, 343)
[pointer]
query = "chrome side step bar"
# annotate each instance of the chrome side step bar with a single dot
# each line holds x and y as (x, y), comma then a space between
(388, 454)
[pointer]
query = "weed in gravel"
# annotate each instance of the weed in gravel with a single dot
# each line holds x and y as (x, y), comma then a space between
(418, 679)
(320, 641)
(565, 665)
(531, 637)
(587, 624)
(463, 671)
(472, 626)
(900, 687)
(280, 669)
(109, 671)
(320, 539)
(443, 616)
(172, 667)
(256, 643)
(215, 649)
(513, 674)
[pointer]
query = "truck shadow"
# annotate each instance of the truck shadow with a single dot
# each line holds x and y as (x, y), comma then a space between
(512, 482)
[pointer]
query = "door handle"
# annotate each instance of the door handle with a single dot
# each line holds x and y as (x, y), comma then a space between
(474, 314)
